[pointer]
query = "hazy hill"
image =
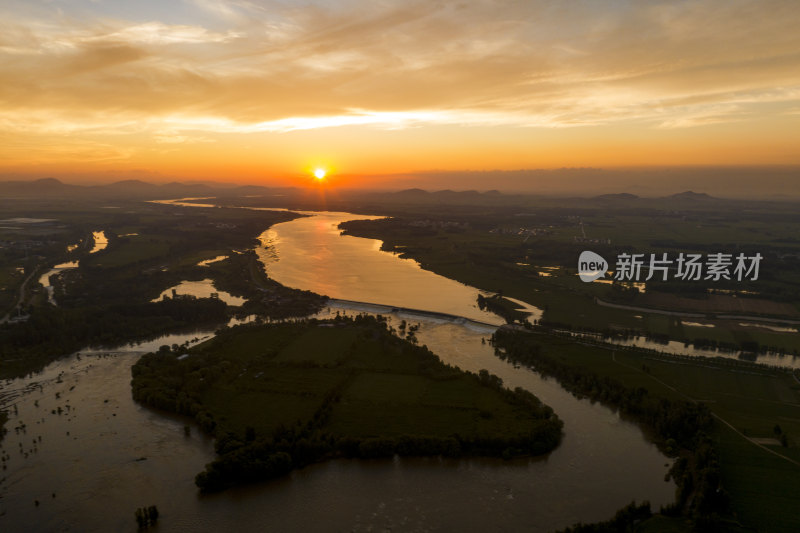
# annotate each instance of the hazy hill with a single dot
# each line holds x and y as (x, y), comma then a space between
(41, 187)
(617, 196)
(126, 189)
(691, 195)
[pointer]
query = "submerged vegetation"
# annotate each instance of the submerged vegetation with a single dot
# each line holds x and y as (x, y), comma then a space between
(146, 516)
(53, 331)
(281, 396)
(3, 420)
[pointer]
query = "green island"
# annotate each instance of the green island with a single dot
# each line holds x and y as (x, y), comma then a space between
(282, 396)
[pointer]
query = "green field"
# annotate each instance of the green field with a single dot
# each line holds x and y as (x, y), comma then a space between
(338, 387)
(762, 478)
(137, 249)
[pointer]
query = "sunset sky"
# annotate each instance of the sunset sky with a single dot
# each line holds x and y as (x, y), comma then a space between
(255, 91)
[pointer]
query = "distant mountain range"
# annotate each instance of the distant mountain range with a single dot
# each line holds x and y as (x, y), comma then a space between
(126, 189)
(700, 184)
(141, 190)
(421, 194)
(746, 183)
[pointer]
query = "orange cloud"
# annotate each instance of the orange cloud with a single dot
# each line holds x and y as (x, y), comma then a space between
(488, 84)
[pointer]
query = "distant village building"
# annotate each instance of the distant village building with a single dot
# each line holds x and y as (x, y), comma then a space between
(586, 240)
(524, 232)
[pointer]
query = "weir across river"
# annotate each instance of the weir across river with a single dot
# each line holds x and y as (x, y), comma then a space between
(382, 308)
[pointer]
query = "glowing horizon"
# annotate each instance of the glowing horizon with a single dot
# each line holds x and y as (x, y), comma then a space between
(250, 91)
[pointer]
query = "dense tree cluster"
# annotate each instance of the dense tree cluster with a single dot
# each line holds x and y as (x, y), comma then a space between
(699, 491)
(501, 307)
(266, 458)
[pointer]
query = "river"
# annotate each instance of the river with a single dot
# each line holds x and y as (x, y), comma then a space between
(104, 455)
(311, 253)
(100, 242)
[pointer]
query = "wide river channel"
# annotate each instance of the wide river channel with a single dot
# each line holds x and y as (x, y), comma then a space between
(89, 467)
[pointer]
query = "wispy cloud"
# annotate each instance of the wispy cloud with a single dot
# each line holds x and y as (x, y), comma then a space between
(242, 66)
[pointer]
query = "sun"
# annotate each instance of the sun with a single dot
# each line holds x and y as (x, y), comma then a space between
(320, 173)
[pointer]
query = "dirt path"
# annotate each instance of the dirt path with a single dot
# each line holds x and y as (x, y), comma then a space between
(711, 316)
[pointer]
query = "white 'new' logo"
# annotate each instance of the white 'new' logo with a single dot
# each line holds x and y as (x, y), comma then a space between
(591, 266)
